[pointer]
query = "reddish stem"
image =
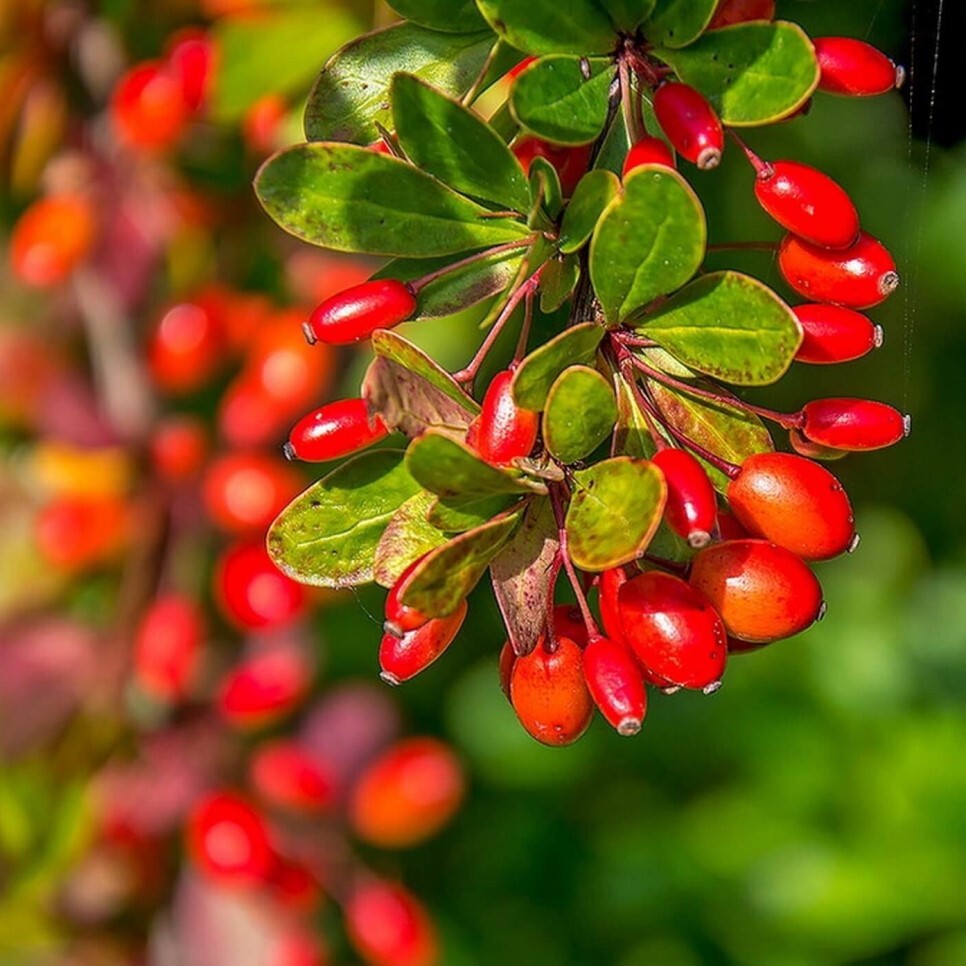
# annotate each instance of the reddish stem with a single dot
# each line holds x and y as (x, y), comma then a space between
(763, 169)
(417, 285)
(556, 501)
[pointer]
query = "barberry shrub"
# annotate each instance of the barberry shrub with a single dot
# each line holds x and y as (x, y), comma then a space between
(539, 166)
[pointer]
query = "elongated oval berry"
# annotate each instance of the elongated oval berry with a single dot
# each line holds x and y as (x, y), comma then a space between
(794, 502)
(615, 683)
(741, 11)
(167, 648)
(834, 334)
(673, 630)
(333, 431)
(229, 840)
(853, 424)
(506, 431)
(400, 617)
(549, 694)
(407, 794)
(648, 150)
(692, 507)
(763, 592)
(609, 588)
(353, 315)
(690, 124)
(388, 926)
(288, 777)
(855, 68)
(858, 277)
(571, 162)
(402, 658)
(807, 203)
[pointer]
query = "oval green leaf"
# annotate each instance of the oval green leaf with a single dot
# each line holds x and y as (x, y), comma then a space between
(349, 199)
(558, 281)
(452, 16)
(407, 538)
(457, 514)
(594, 192)
(633, 435)
(539, 370)
(328, 536)
(456, 145)
(752, 73)
(628, 15)
(553, 98)
(649, 241)
(546, 193)
(729, 326)
(615, 509)
(580, 414)
(677, 23)
(552, 26)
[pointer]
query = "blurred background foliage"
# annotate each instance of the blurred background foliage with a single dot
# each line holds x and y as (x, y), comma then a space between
(814, 810)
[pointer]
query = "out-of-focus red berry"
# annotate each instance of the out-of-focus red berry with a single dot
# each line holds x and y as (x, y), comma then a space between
(388, 926)
(186, 349)
(191, 61)
(148, 107)
(167, 648)
(252, 592)
(286, 776)
(245, 491)
(76, 532)
(262, 123)
(229, 841)
(179, 447)
(264, 687)
(51, 238)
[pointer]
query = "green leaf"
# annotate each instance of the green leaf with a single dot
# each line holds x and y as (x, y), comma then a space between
(595, 191)
(555, 100)
(456, 145)
(460, 289)
(407, 538)
(580, 414)
(677, 23)
(278, 53)
(552, 26)
(351, 94)
(539, 370)
(328, 536)
(447, 575)
(752, 73)
(633, 435)
(729, 326)
(457, 514)
(628, 15)
(451, 469)
(614, 511)
(524, 574)
(352, 200)
(558, 282)
(649, 241)
(546, 193)
(452, 16)
(730, 433)
(614, 148)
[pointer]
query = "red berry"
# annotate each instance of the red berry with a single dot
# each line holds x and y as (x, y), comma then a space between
(264, 687)
(506, 431)
(228, 840)
(609, 587)
(402, 658)
(853, 424)
(794, 502)
(834, 334)
(807, 203)
(549, 694)
(285, 776)
(76, 532)
(508, 658)
(672, 630)
(252, 592)
(167, 647)
(190, 60)
(855, 68)
(387, 926)
(178, 448)
(569, 622)
(741, 11)
(690, 124)
(244, 492)
(762, 592)
(336, 430)
(615, 683)
(51, 238)
(248, 416)
(728, 526)
(407, 794)
(692, 506)
(858, 277)
(648, 150)
(571, 162)
(262, 124)
(353, 315)
(187, 348)
(400, 617)
(148, 107)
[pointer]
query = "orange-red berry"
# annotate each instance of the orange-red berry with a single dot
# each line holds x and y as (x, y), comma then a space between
(571, 162)
(51, 238)
(287, 777)
(148, 107)
(853, 424)
(388, 926)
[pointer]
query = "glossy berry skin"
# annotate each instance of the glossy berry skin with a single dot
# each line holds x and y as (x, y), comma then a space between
(857, 277)
(615, 683)
(244, 492)
(571, 162)
(264, 687)
(506, 431)
(335, 430)
(549, 694)
(853, 424)
(648, 150)
(287, 777)
(741, 11)
(387, 926)
(229, 841)
(834, 334)
(763, 592)
(609, 587)
(51, 238)
(167, 648)
(148, 107)
(407, 794)
(692, 507)
(807, 203)
(353, 315)
(855, 68)
(672, 630)
(690, 124)
(793, 502)
(400, 617)
(402, 658)
(252, 592)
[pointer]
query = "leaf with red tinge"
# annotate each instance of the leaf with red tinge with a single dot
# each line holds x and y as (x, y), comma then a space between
(408, 537)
